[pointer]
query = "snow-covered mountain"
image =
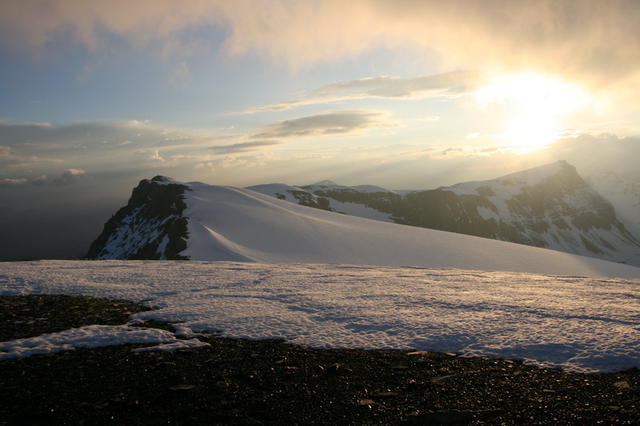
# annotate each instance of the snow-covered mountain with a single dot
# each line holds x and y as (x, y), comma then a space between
(236, 224)
(549, 206)
(552, 206)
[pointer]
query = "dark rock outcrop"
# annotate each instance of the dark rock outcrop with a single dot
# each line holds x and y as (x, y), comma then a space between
(151, 226)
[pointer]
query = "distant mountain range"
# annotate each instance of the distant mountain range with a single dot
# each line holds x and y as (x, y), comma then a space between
(549, 206)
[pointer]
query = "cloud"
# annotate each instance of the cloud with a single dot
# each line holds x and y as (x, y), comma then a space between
(590, 39)
(599, 154)
(8, 158)
(325, 124)
(68, 177)
(12, 181)
(451, 84)
(95, 143)
(180, 75)
(431, 118)
(122, 146)
(154, 155)
(242, 147)
(110, 134)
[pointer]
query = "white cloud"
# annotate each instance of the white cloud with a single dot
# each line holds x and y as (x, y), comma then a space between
(452, 84)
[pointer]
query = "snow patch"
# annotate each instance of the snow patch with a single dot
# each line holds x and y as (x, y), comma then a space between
(360, 210)
(91, 336)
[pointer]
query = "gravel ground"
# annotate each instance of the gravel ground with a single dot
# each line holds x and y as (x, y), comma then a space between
(257, 382)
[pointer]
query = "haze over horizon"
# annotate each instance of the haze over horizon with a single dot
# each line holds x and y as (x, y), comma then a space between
(401, 94)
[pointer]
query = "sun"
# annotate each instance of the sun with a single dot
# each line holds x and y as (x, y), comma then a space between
(533, 106)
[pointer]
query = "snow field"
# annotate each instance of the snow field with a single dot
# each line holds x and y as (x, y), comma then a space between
(577, 323)
(234, 224)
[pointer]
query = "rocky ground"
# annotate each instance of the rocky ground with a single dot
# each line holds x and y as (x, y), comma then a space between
(256, 382)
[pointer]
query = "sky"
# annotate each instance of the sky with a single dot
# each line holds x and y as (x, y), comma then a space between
(405, 94)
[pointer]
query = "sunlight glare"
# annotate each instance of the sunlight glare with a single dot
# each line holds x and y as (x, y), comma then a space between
(534, 104)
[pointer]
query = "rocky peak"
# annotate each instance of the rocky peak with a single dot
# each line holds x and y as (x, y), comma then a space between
(150, 226)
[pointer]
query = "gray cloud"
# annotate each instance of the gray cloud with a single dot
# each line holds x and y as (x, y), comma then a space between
(67, 177)
(451, 84)
(12, 181)
(109, 134)
(103, 144)
(330, 123)
(9, 158)
(242, 147)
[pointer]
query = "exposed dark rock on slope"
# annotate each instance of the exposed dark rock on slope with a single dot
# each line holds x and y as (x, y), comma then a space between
(151, 226)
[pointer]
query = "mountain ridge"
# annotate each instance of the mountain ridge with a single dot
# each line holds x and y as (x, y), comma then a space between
(227, 223)
(549, 206)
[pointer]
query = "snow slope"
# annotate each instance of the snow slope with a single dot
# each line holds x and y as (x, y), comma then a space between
(550, 206)
(580, 324)
(95, 336)
(227, 223)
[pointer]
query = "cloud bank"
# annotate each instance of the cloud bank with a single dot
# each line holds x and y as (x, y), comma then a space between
(587, 39)
(31, 150)
(67, 177)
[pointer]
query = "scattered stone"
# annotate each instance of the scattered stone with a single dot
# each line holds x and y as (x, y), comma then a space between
(399, 367)
(337, 369)
(386, 394)
(419, 353)
(237, 381)
(623, 384)
(441, 379)
(443, 418)
(182, 387)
